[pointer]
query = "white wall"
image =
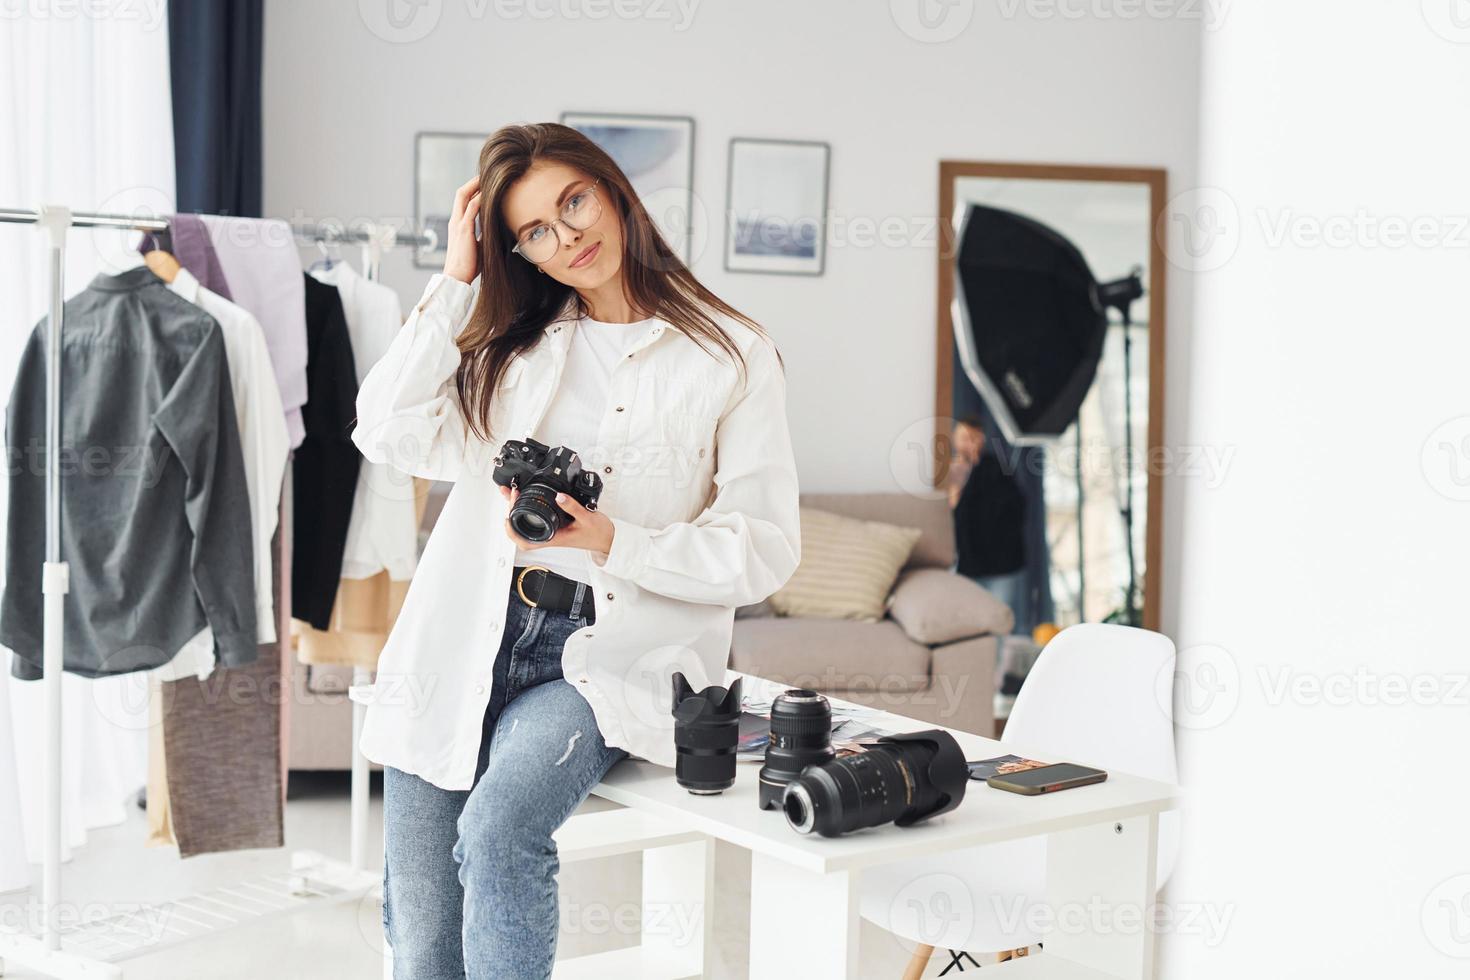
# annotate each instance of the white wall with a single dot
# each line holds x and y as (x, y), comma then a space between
(1323, 583)
(342, 105)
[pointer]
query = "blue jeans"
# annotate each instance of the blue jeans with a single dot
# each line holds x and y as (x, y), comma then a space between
(469, 876)
(1011, 589)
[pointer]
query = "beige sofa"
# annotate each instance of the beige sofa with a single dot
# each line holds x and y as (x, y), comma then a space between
(935, 662)
(932, 656)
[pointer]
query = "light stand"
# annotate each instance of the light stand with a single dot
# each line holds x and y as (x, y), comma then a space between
(1120, 295)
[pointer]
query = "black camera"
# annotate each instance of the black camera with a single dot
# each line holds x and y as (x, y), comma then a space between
(801, 736)
(539, 473)
(902, 778)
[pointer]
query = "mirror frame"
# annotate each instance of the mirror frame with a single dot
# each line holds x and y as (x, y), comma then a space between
(1157, 180)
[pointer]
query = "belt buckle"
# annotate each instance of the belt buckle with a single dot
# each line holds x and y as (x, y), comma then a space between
(521, 578)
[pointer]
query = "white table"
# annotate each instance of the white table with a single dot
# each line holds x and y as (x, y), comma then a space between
(804, 898)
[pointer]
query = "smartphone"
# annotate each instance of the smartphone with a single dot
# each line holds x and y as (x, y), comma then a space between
(1046, 779)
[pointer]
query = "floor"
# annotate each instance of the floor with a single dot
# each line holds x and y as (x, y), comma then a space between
(599, 901)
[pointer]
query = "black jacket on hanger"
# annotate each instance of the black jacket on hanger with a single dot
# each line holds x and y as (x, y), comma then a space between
(326, 463)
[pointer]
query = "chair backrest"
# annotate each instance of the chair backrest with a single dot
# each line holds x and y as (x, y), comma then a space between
(1094, 696)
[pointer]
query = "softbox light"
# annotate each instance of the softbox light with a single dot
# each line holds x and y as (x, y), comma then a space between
(1028, 323)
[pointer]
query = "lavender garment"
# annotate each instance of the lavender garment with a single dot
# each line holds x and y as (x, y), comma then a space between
(194, 250)
(258, 256)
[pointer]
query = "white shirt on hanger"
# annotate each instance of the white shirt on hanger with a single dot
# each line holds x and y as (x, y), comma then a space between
(265, 442)
(383, 532)
(576, 414)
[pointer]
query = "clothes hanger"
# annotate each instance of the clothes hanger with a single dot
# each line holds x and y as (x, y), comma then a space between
(160, 258)
(331, 255)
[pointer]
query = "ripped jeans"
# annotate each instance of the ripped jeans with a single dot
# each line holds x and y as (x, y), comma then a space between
(469, 876)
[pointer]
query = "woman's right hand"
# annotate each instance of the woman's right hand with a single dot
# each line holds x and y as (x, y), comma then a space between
(462, 255)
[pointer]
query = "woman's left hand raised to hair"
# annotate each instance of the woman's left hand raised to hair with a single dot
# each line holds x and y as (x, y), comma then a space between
(589, 529)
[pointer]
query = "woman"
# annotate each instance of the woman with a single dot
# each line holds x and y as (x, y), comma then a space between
(498, 705)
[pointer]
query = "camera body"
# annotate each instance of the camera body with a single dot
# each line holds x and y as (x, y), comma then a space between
(539, 473)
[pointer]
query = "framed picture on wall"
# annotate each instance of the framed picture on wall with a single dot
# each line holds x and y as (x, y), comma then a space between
(776, 206)
(441, 163)
(657, 154)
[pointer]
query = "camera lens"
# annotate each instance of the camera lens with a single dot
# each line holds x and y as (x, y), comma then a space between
(706, 732)
(900, 778)
(801, 736)
(534, 516)
(798, 807)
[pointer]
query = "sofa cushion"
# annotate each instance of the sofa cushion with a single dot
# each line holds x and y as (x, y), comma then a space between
(936, 606)
(930, 514)
(833, 655)
(847, 567)
(762, 608)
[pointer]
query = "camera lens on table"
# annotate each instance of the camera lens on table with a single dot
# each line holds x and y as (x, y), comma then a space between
(900, 778)
(801, 736)
(706, 734)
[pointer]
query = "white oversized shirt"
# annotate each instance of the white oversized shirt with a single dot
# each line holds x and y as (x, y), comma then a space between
(699, 481)
(575, 416)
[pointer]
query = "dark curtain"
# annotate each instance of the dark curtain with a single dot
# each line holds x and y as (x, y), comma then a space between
(214, 62)
(1026, 464)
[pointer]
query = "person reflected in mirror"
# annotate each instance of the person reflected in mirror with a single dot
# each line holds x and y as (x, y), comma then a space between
(989, 518)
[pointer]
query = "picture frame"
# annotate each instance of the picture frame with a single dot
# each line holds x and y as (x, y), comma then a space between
(442, 162)
(657, 155)
(776, 206)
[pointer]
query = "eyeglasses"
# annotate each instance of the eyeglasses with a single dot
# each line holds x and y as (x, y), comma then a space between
(579, 213)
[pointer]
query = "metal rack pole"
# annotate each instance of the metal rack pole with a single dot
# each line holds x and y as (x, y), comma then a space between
(54, 221)
(45, 953)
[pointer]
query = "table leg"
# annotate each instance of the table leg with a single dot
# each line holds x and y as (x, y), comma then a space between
(802, 923)
(1101, 892)
(678, 905)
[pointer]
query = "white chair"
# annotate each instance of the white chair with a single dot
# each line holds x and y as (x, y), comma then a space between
(1091, 698)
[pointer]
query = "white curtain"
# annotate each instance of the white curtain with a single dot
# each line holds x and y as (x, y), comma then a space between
(85, 121)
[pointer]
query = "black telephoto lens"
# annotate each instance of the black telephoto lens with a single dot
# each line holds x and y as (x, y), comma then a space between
(706, 734)
(801, 736)
(902, 778)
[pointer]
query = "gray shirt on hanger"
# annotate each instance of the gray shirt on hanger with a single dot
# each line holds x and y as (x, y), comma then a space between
(155, 516)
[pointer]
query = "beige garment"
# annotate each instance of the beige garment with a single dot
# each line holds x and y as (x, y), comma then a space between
(160, 821)
(362, 615)
(235, 700)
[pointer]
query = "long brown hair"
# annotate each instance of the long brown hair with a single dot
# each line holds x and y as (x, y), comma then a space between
(516, 303)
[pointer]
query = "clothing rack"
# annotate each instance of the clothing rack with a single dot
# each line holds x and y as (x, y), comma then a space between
(95, 946)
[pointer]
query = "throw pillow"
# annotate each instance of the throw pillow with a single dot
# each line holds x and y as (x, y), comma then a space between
(847, 567)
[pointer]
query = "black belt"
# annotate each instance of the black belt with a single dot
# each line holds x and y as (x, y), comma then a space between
(542, 588)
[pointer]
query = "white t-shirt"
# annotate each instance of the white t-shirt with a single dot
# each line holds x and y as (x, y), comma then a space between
(575, 416)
